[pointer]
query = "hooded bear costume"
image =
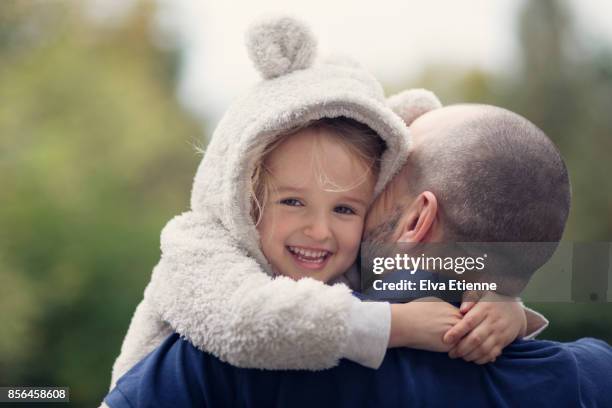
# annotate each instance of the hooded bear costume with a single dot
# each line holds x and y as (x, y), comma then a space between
(212, 284)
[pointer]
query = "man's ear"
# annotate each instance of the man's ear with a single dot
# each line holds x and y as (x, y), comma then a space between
(418, 219)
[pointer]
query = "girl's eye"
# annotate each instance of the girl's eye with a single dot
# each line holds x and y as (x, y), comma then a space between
(292, 202)
(342, 209)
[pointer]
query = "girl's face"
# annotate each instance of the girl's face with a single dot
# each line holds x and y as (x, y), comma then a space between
(313, 218)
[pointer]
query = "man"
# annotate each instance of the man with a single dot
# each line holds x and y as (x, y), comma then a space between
(475, 173)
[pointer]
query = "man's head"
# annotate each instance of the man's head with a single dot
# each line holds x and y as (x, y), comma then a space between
(475, 173)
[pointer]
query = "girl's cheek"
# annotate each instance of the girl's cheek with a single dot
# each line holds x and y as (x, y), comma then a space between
(354, 234)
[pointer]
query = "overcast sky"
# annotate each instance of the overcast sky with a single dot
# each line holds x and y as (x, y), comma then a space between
(394, 39)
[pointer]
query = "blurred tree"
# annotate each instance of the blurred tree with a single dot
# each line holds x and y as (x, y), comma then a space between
(567, 90)
(95, 156)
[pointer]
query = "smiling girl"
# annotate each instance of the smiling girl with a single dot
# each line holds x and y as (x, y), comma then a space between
(313, 187)
(277, 209)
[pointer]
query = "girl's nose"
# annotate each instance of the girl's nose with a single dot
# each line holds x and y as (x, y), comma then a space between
(318, 228)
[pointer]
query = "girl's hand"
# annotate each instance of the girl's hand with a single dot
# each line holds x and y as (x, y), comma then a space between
(421, 324)
(486, 328)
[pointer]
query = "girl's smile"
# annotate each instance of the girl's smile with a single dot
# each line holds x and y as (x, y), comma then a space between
(310, 258)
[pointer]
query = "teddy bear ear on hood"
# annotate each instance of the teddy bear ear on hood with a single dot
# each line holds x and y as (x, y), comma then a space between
(412, 103)
(280, 45)
(296, 88)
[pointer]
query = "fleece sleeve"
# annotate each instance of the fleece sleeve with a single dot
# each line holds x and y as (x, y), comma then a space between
(370, 327)
(211, 292)
(146, 332)
(536, 323)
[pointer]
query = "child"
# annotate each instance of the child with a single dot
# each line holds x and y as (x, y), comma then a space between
(312, 188)
(265, 205)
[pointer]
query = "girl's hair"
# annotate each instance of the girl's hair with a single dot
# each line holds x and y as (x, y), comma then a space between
(358, 139)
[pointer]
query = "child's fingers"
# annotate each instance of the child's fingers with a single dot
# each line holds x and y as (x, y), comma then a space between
(466, 325)
(466, 306)
(469, 299)
(483, 353)
(489, 357)
(466, 346)
(475, 354)
(471, 342)
(485, 359)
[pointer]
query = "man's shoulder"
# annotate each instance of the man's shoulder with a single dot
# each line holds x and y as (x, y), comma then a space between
(171, 375)
(178, 374)
(594, 360)
(581, 350)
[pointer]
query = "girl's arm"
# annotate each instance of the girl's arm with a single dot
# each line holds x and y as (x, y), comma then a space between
(422, 323)
(211, 292)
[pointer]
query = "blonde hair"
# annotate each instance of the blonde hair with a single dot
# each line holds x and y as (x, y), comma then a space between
(359, 140)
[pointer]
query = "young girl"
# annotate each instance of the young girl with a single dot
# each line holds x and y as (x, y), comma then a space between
(280, 197)
(312, 188)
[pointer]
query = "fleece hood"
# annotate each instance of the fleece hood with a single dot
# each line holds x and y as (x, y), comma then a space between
(294, 90)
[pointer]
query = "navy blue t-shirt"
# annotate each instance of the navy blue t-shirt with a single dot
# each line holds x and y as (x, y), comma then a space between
(530, 373)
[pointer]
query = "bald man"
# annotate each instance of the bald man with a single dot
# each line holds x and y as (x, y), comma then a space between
(475, 173)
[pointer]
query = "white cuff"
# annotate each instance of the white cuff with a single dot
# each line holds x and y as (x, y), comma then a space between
(536, 323)
(369, 329)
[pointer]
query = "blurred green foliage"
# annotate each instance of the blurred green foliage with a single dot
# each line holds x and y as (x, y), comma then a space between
(96, 155)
